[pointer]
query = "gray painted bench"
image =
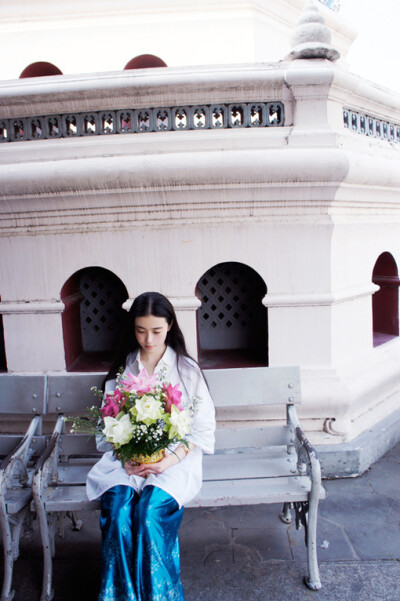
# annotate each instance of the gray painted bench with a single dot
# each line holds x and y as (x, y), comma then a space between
(252, 465)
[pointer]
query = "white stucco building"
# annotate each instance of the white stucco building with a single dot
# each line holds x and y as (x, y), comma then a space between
(261, 196)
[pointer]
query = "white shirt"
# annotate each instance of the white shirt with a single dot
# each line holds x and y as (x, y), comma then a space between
(182, 480)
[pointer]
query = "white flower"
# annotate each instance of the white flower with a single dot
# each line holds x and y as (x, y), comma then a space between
(180, 422)
(148, 408)
(118, 430)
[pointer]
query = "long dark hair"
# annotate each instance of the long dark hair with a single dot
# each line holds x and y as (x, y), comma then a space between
(148, 303)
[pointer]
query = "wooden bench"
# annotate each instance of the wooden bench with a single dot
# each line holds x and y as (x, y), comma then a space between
(252, 465)
(22, 405)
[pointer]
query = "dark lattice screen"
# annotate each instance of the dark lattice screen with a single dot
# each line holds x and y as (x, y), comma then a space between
(100, 309)
(231, 315)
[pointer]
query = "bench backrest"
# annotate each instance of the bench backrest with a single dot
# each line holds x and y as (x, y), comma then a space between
(252, 386)
(23, 396)
(39, 394)
(71, 394)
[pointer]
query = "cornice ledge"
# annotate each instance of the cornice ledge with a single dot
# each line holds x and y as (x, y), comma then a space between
(15, 307)
(116, 90)
(180, 303)
(318, 298)
(234, 167)
(363, 95)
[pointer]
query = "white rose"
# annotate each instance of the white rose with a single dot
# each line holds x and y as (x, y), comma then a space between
(180, 421)
(118, 430)
(148, 408)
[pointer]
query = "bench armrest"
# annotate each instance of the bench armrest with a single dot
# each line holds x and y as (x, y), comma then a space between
(307, 458)
(46, 470)
(17, 461)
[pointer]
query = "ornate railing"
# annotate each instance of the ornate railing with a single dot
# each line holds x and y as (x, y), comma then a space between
(134, 121)
(371, 126)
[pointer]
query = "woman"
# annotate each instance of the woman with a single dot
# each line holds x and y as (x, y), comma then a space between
(142, 505)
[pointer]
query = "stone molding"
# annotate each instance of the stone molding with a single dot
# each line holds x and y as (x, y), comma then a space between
(17, 307)
(105, 175)
(185, 86)
(180, 303)
(271, 300)
(318, 299)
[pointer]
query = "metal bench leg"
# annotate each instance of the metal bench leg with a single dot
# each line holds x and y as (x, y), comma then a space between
(6, 593)
(286, 515)
(76, 522)
(47, 529)
(312, 580)
(11, 527)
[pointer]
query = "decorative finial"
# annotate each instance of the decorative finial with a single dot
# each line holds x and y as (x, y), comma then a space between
(312, 37)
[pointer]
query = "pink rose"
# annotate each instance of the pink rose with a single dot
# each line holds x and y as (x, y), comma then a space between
(174, 397)
(111, 408)
(119, 397)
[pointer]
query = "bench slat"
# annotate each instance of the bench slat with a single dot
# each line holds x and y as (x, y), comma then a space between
(253, 492)
(265, 463)
(268, 463)
(75, 473)
(225, 438)
(69, 498)
(254, 386)
(228, 387)
(233, 492)
(78, 444)
(264, 436)
(8, 443)
(17, 498)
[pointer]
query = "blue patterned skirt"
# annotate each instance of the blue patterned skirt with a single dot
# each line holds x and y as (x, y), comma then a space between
(140, 548)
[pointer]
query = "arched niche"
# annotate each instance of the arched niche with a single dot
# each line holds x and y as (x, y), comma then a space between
(385, 302)
(145, 61)
(92, 317)
(232, 323)
(40, 69)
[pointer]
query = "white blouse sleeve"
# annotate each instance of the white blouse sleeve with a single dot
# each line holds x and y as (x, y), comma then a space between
(202, 432)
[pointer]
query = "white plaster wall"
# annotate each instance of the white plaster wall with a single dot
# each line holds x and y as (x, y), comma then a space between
(85, 36)
(172, 260)
(300, 335)
(34, 342)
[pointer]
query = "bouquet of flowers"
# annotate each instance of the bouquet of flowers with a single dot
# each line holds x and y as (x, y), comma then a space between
(140, 418)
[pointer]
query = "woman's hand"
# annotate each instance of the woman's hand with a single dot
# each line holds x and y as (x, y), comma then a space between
(145, 469)
(170, 458)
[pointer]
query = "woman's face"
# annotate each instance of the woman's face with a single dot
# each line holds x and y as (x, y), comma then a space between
(151, 332)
